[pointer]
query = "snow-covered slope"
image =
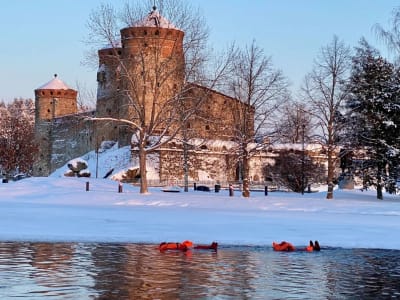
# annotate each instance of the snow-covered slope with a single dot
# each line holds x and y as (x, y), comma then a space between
(107, 159)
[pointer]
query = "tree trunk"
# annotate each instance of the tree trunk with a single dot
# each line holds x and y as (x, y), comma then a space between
(379, 194)
(185, 165)
(246, 168)
(143, 170)
(331, 167)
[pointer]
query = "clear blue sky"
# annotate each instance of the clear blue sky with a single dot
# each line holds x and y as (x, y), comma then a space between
(43, 37)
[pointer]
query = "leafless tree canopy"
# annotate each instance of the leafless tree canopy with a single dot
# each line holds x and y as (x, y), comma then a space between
(262, 89)
(325, 90)
(293, 124)
(391, 36)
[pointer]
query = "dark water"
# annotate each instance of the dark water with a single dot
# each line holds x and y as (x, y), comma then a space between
(132, 271)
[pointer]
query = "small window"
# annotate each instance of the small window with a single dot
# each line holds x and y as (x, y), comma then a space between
(145, 32)
(207, 127)
(157, 32)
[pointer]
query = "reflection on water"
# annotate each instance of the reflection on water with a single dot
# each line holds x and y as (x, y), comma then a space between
(134, 271)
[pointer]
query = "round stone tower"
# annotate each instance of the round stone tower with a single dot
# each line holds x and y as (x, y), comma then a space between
(153, 48)
(52, 100)
(55, 99)
(108, 81)
(148, 65)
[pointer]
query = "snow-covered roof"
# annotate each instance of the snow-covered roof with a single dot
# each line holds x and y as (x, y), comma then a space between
(115, 44)
(54, 84)
(155, 19)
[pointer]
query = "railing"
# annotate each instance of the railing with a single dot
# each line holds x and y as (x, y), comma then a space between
(254, 185)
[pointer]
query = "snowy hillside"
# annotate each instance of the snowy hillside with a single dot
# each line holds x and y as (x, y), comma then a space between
(107, 159)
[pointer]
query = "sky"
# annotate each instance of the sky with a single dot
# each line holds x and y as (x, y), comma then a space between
(43, 37)
(59, 209)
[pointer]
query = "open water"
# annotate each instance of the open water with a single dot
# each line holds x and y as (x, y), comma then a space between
(135, 271)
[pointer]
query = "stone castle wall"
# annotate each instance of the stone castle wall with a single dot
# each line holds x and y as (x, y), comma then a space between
(202, 166)
(61, 140)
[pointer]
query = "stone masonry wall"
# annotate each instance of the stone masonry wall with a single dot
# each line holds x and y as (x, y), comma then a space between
(61, 140)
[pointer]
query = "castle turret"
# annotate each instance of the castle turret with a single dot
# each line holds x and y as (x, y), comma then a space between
(54, 99)
(108, 80)
(153, 48)
(146, 68)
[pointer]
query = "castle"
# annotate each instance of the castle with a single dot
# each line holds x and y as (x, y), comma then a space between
(64, 134)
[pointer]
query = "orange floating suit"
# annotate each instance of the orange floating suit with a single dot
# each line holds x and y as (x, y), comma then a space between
(213, 246)
(184, 246)
(283, 246)
(310, 247)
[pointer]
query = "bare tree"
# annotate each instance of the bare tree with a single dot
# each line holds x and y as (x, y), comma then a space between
(86, 97)
(325, 90)
(154, 71)
(260, 89)
(294, 124)
(391, 36)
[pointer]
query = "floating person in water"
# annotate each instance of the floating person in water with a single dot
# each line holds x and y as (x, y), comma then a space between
(185, 246)
(213, 246)
(283, 246)
(286, 246)
(316, 246)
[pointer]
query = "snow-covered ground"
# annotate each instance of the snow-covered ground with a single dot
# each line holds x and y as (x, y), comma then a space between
(60, 209)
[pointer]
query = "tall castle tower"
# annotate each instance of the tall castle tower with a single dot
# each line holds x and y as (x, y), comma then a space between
(52, 100)
(147, 68)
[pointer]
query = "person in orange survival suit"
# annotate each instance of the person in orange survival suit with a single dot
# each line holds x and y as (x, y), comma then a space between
(213, 246)
(313, 246)
(184, 246)
(283, 246)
